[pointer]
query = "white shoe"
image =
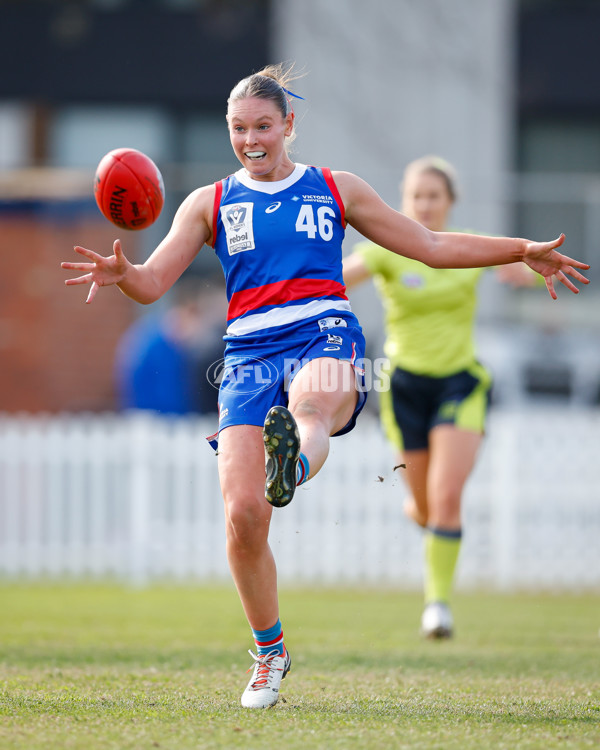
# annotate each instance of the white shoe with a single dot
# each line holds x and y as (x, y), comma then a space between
(263, 688)
(437, 621)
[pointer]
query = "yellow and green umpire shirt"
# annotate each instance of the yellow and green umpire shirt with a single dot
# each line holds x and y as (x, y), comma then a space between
(429, 312)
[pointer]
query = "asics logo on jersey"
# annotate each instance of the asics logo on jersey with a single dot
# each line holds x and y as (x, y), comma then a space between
(272, 207)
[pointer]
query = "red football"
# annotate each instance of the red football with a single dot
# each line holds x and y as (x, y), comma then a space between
(129, 188)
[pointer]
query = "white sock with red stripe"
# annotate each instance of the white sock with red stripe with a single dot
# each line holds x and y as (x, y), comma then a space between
(269, 640)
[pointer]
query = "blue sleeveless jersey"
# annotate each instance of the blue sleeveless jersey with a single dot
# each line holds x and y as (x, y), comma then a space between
(280, 245)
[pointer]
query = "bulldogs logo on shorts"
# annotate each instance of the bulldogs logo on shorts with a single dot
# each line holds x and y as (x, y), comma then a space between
(326, 323)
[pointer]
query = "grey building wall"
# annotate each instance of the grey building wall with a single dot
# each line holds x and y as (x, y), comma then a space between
(391, 80)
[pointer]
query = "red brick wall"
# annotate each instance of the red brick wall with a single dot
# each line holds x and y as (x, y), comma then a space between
(56, 352)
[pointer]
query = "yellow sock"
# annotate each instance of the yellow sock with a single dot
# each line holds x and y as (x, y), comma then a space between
(441, 555)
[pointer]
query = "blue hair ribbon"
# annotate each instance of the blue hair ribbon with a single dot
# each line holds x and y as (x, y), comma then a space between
(292, 94)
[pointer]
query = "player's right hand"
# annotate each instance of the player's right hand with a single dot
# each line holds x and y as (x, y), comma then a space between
(100, 270)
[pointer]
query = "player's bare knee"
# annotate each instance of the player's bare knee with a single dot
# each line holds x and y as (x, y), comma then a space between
(247, 521)
(308, 409)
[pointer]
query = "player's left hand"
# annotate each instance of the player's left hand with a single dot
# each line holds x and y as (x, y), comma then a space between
(543, 258)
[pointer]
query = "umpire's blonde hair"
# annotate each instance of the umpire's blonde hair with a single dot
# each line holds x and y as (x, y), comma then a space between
(434, 165)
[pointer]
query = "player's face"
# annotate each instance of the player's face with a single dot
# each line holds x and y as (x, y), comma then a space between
(426, 199)
(257, 132)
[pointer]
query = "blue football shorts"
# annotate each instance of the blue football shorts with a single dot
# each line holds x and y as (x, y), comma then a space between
(257, 370)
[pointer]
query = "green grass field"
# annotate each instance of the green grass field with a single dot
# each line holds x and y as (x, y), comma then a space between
(100, 666)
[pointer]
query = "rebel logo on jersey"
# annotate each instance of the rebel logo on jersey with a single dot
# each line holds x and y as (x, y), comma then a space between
(237, 221)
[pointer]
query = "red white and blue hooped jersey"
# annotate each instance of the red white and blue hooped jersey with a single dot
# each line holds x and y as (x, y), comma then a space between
(280, 245)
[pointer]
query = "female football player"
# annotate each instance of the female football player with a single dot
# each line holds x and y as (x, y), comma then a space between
(293, 345)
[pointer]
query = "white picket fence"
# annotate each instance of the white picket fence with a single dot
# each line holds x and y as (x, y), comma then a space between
(136, 498)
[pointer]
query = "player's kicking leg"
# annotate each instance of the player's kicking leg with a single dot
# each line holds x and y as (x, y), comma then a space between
(297, 439)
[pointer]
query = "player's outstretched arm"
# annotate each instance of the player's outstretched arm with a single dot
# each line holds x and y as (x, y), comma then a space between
(380, 223)
(145, 283)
